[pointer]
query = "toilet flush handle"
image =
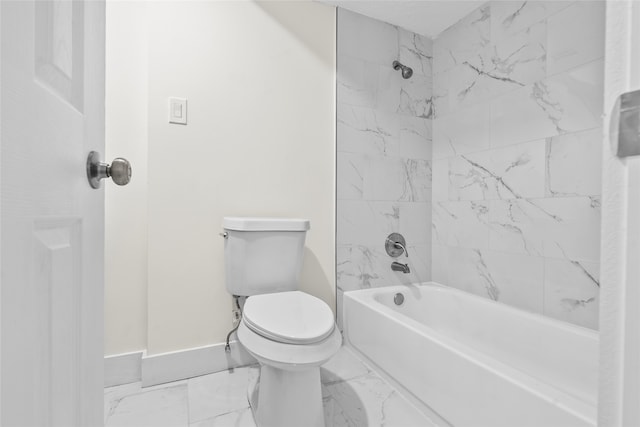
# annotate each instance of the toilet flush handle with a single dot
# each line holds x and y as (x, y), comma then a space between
(225, 234)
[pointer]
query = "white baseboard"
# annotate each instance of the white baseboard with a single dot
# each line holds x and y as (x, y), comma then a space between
(123, 368)
(178, 365)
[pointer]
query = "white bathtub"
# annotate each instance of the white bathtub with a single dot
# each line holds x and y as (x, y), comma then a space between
(476, 362)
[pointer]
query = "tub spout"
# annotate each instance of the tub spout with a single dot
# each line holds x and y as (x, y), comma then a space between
(396, 266)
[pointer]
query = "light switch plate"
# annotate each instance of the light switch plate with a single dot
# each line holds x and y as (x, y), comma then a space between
(178, 111)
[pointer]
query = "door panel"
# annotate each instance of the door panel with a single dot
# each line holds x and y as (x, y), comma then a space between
(56, 268)
(51, 221)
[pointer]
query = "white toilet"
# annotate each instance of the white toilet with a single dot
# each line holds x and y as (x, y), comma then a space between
(289, 332)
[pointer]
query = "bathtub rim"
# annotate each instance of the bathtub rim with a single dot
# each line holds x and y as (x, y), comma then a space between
(371, 293)
(569, 402)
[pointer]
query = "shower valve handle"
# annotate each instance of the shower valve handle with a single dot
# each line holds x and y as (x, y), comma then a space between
(401, 246)
(395, 245)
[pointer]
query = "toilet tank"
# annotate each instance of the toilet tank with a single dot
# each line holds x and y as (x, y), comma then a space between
(263, 255)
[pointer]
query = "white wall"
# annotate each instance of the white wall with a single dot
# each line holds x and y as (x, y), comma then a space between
(126, 207)
(259, 79)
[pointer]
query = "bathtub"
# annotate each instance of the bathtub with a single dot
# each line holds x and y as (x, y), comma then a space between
(476, 362)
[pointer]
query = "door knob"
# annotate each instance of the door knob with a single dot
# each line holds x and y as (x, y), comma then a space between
(624, 129)
(119, 170)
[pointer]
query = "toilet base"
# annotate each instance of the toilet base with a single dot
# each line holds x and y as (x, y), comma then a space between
(284, 398)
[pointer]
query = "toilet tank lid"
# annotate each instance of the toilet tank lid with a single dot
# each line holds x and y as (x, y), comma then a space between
(265, 224)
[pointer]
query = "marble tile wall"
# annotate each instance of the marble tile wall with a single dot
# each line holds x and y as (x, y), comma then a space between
(516, 161)
(384, 152)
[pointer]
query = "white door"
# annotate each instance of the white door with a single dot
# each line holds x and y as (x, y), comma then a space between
(52, 222)
(619, 389)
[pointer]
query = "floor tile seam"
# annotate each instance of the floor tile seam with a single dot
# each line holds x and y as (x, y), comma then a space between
(188, 404)
(191, 421)
(141, 391)
(220, 415)
(343, 380)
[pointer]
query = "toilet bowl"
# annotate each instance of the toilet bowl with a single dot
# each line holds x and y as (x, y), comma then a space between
(290, 334)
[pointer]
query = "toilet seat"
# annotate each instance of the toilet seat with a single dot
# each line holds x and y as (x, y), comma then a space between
(289, 317)
(289, 357)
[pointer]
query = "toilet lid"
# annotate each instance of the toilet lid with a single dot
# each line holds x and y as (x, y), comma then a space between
(289, 317)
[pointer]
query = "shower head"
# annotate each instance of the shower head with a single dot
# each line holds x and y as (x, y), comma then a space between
(406, 71)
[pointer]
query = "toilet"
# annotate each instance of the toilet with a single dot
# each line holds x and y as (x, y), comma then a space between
(289, 332)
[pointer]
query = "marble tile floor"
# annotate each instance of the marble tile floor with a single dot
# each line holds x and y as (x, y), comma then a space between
(353, 395)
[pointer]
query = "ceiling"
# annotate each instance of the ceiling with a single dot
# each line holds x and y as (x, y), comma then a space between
(426, 17)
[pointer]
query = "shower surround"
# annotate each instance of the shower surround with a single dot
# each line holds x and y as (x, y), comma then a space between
(383, 153)
(487, 160)
(517, 135)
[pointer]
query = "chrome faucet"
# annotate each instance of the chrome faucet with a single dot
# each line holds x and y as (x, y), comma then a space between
(396, 266)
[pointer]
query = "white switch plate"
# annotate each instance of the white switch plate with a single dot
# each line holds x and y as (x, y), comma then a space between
(178, 111)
